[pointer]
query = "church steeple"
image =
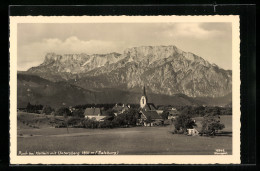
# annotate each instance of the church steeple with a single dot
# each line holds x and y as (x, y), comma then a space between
(144, 93)
(143, 100)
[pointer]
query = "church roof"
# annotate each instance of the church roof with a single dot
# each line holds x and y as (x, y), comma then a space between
(149, 106)
(92, 111)
(152, 114)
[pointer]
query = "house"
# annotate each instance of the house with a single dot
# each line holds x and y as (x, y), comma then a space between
(149, 118)
(192, 132)
(159, 111)
(94, 113)
(120, 109)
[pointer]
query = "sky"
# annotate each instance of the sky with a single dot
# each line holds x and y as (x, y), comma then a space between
(211, 41)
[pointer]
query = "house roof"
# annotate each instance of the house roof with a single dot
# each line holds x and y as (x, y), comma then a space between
(120, 108)
(149, 106)
(92, 111)
(152, 114)
(173, 112)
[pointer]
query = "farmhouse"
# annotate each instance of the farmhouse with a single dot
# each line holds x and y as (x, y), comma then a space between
(94, 113)
(149, 116)
(159, 111)
(192, 132)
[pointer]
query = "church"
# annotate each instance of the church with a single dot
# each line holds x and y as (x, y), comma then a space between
(149, 116)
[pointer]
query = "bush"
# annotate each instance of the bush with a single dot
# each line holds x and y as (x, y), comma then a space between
(90, 123)
(76, 122)
(63, 111)
(106, 124)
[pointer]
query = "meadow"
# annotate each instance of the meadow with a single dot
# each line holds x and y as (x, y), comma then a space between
(125, 141)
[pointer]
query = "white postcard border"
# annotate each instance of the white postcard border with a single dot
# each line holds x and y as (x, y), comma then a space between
(127, 159)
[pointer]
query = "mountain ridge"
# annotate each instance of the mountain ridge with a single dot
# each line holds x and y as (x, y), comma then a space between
(164, 69)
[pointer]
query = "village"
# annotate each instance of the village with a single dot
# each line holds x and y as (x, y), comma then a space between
(148, 114)
(118, 115)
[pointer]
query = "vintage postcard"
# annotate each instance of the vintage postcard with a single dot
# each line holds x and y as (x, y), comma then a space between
(125, 90)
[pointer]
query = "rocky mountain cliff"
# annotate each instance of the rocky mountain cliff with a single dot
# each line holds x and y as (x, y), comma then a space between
(164, 70)
(73, 63)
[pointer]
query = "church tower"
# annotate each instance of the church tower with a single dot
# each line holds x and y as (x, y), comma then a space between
(143, 100)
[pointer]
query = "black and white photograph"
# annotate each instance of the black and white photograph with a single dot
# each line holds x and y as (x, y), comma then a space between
(125, 89)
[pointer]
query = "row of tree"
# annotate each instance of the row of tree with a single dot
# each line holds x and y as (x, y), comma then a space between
(126, 119)
(191, 110)
(62, 111)
(30, 108)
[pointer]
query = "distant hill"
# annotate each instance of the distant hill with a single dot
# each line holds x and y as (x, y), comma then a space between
(41, 91)
(36, 90)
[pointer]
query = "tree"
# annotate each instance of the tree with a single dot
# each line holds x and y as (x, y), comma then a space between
(110, 114)
(183, 122)
(47, 110)
(119, 120)
(79, 113)
(149, 120)
(165, 115)
(131, 116)
(211, 124)
(29, 107)
(63, 111)
(217, 111)
(33, 108)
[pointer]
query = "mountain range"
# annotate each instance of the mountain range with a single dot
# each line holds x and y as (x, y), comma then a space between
(169, 74)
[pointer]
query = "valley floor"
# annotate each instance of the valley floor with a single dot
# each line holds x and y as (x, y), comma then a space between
(125, 141)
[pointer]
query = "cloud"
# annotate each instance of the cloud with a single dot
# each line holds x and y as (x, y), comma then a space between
(212, 41)
(190, 30)
(75, 45)
(223, 27)
(33, 53)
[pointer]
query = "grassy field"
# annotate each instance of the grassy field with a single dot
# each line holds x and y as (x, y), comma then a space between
(125, 141)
